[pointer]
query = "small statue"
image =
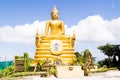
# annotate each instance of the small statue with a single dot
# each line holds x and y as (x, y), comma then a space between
(87, 54)
(89, 63)
(37, 39)
(73, 39)
(57, 62)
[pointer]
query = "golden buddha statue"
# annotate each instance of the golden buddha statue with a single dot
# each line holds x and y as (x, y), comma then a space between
(56, 26)
(54, 44)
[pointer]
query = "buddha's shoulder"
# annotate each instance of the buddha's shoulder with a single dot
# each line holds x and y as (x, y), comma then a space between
(60, 21)
(50, 21)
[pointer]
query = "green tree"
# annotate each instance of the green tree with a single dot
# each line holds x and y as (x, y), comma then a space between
(117, 54)
(80, 60)
(27, 61)
(88, 55)
(107, 49)
(112, 51)
(114, 61)
(106, 61)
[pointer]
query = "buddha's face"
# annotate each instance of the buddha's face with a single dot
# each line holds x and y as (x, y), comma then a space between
(54, 15)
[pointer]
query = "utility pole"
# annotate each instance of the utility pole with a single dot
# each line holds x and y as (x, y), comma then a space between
(6, 61)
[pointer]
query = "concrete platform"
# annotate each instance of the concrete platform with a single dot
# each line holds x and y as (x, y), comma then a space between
(69, 72)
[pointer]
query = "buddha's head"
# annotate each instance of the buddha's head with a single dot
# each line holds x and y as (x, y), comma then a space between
(54, 13)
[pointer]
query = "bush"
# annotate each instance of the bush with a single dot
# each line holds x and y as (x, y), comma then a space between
(1, 74)
(106, 61)
(9, 70)
(26, 74)
(53, 71)
(40, 64)
(104, 69)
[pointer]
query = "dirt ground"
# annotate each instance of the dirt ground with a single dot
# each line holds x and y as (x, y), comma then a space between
(109, 75)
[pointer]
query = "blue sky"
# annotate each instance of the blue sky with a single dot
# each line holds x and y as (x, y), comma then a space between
(84, 16)
(16, 12)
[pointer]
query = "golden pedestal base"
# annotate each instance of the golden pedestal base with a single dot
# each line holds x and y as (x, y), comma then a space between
(45, 49)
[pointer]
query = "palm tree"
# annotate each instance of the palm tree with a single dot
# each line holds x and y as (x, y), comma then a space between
(80, 60)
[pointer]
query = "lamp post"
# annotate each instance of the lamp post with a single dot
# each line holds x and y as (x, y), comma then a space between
(6, 61)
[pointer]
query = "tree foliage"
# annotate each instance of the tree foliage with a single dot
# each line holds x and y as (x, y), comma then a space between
(40, 64)
(27, 59)
(88, 55)
(7, 71)
(107, 49)
(112, 51)
(81, 58)
(106, 61)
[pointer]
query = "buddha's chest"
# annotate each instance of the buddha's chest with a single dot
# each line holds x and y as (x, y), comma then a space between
(55, 24)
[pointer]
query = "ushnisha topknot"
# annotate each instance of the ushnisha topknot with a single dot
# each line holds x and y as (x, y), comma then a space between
(54, 10)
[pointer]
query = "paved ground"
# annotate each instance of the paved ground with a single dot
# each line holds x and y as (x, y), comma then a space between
(109, 75)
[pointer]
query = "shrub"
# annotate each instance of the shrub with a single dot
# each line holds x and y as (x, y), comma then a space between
(9, 70)
(26, 74)
(53, 71)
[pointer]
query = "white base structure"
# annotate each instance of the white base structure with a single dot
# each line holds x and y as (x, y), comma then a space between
(69, 72)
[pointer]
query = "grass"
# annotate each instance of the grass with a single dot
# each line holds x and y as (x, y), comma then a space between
(17, 74)
(104, 69)
(20, 74)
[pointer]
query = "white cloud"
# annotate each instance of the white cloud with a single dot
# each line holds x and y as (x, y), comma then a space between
(21, 33)
(92, 28)
(114, 27)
